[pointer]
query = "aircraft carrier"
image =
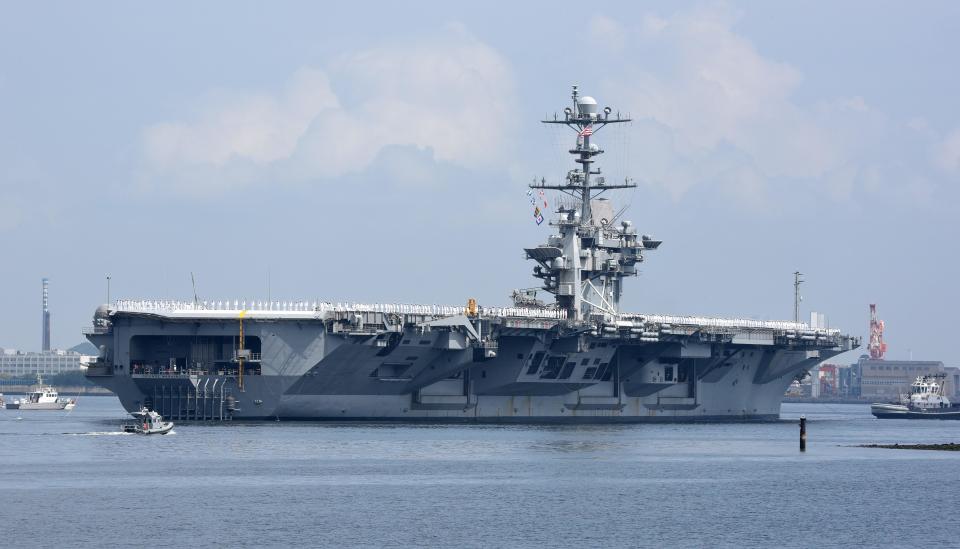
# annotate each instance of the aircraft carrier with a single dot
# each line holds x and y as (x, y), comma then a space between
(576, 358)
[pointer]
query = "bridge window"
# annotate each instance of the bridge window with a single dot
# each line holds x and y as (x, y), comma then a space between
(535, 363)
(550, 371)
(567, 370)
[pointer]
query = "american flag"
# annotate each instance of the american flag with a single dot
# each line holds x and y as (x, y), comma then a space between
(586, 132)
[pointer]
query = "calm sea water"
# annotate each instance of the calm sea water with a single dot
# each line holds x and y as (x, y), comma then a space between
(69, 479)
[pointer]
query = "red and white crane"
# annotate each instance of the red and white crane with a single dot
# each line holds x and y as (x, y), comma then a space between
(876, 346)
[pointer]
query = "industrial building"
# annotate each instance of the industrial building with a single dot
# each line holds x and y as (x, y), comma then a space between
(20, 364)
(876, 378)
(873, 377)
(887, 379)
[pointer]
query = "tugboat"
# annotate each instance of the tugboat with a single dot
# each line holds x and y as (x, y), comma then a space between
(148, 422)
(42, 397)
(926, 401)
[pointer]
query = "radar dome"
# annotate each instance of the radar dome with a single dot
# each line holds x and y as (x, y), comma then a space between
(587, 105)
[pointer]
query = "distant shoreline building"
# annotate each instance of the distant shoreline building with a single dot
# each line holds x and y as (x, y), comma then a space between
(15, 363)
(20, 364)
(870, 379)
(886, 379)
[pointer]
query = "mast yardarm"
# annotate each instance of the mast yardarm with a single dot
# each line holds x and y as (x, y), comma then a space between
(584, 265)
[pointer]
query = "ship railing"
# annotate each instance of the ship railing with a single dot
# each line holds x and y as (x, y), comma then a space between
(151, 372)
(319, 308)
(172, 375)
(95, 330)
(443, 310)
(283, 306)
(152, 305)
(524, 312)
(736, 323)
(189, 372)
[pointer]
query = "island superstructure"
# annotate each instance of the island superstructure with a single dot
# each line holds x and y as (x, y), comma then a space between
(577, 359)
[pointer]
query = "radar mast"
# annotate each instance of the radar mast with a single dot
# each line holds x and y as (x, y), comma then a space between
(584, 265)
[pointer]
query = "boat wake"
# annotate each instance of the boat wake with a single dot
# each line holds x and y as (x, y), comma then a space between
(107, 434)
(98, 434)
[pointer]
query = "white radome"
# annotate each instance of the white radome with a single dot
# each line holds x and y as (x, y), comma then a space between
(587, 104)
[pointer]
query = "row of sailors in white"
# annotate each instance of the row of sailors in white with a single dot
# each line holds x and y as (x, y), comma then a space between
(724, 322)
(440, 310)
(325, 306)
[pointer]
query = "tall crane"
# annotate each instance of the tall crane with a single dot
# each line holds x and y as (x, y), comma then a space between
(876, 346)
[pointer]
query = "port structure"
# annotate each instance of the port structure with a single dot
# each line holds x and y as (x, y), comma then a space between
(583, 265)
(877, 347)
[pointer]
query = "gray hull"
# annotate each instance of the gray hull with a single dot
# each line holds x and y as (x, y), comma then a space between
(941, 413)
(433, 369)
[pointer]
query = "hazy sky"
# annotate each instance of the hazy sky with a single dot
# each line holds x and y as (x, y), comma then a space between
(380, 151)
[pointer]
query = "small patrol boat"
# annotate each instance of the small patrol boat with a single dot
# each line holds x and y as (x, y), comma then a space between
(925, 401)
(147, 422)
(42, 397)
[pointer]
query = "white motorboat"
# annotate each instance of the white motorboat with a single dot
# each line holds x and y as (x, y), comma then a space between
(42, 397)
(147, 422)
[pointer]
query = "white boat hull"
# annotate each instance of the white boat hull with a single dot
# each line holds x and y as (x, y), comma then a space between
(38, 405)
(163, 429)
(888, 409)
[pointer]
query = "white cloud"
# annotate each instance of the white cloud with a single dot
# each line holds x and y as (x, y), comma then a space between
(449, 94)
(652, 24)
(720, 91)
(258, 127)
(607, 33)
(948, 152)
(710, 107)
(11, 214)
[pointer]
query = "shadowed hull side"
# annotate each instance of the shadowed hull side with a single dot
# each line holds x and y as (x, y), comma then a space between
(730, 396)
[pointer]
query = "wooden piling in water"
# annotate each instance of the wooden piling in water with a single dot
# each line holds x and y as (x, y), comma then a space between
(803, 433)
